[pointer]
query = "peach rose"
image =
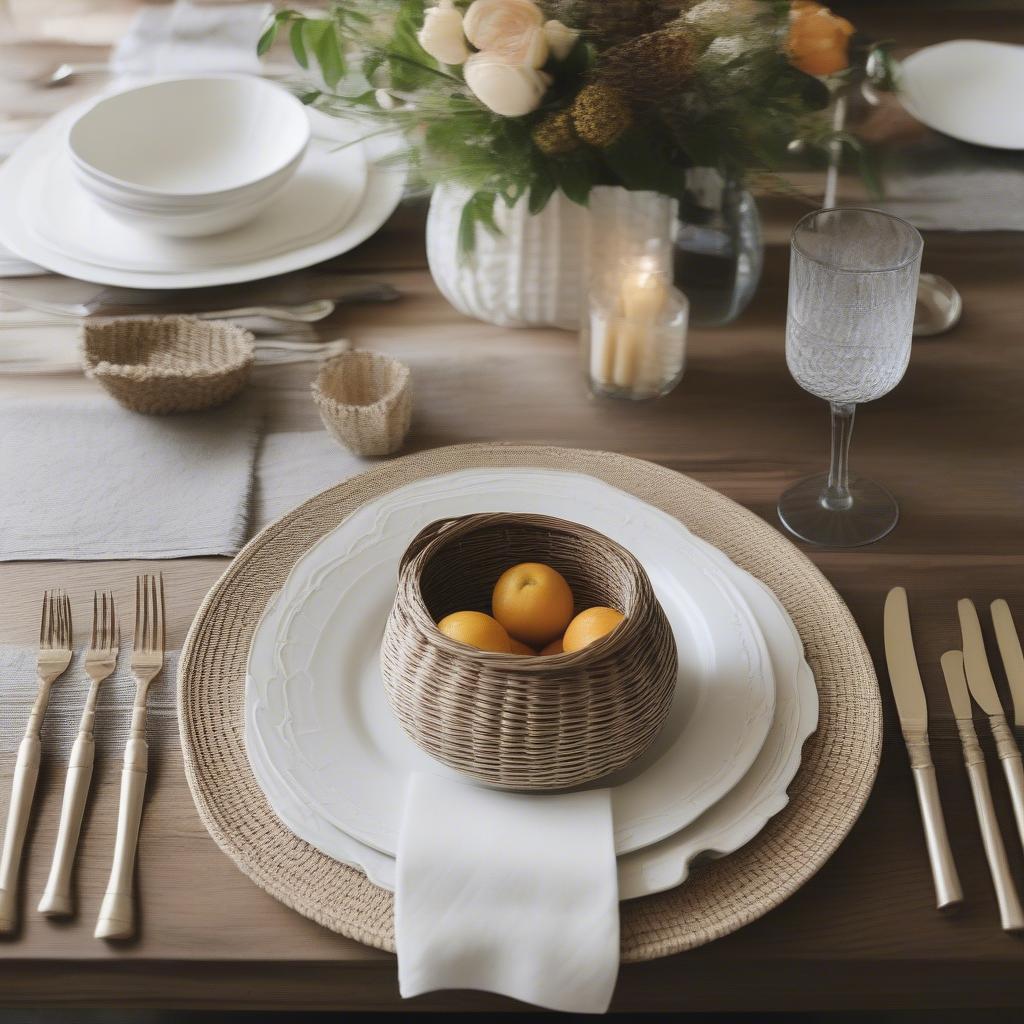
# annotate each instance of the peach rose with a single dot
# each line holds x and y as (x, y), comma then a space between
(510, 90)
(441, 35)
(818, 39)
(561, 39)
(509, 30)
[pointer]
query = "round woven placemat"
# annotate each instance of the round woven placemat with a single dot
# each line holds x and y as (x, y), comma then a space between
(835, 777)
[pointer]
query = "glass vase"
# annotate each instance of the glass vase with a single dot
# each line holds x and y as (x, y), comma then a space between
(719, 252)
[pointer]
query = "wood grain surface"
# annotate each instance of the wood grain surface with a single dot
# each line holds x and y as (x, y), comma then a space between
(949, 441)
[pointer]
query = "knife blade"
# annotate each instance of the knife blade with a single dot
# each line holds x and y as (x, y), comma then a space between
(979, 675)
(1011, 914)
(983, 689)
(1012, 655)
(905, 678)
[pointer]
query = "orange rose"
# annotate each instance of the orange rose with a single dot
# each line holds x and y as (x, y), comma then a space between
(818, 39)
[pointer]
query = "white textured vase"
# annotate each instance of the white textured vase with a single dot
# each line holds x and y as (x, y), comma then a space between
(535, 273)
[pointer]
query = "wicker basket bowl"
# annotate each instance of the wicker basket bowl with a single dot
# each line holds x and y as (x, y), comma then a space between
(168, 364)
(365, 401)
(514, 721)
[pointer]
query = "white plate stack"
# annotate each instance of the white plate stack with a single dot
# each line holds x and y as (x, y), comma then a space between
(193, 182)
(333, 762)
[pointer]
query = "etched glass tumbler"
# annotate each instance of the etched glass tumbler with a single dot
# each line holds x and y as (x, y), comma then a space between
(852, 293)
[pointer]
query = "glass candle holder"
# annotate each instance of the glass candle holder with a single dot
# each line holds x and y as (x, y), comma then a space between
(633, 332)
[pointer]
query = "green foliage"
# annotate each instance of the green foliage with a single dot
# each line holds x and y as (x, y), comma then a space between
(744, 103)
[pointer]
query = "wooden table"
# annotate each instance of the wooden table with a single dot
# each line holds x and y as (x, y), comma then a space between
(862, 934)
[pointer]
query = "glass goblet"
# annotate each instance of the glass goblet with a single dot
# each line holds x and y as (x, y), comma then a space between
(852, 292)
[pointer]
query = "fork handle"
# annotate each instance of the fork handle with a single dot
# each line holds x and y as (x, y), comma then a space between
(56, 901)
(26, 772)
(117, 912)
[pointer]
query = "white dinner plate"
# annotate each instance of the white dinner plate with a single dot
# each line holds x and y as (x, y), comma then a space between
(721, 830)
(968, 89)
(326, 725)
(22, 216)
(314, 204)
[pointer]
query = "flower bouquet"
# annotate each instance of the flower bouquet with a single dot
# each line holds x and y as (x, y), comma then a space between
(511, 106)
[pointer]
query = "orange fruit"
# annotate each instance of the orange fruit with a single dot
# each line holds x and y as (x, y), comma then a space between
(533, 602)
(555, 647)
(476, 630)
(589, 626)
(518, 647)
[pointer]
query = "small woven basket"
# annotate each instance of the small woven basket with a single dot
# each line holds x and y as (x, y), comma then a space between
(168, 364)
(514, 721)
(365, 401)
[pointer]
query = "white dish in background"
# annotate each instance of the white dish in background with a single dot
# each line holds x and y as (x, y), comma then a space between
(326, 726)
(19, 219)
(179, 140)
(319, 200)
(968, 89)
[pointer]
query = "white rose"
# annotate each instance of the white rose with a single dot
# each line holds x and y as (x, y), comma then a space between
(512, 30)
(561, 39)
(510, 90)
(442, 36)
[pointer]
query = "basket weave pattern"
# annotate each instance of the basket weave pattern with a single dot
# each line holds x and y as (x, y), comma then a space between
(837, 768)
(530, 723)
(365, 401)
(168, 364)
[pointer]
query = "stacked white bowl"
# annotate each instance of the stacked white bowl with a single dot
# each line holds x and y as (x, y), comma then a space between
(187, 157)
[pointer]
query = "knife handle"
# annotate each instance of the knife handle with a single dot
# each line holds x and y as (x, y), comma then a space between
(1011, 914)
(1009, 756)
(947, 882)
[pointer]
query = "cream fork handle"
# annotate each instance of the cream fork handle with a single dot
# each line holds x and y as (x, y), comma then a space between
(26, 772)
(56, 901)
(117, 911)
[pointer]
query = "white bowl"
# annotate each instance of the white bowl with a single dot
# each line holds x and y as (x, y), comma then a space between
(188, 223)
(189, 157)
(185, 141)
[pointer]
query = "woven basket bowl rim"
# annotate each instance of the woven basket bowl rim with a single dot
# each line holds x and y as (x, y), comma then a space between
(396, 385)
(519, 663)
(238, 350)
(838, 766)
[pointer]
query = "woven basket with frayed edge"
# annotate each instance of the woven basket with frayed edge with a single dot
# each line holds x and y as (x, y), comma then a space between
(365, 401)
(168, 364)
(514, 721)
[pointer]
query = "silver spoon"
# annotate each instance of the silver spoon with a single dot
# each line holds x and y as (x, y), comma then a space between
(939, 306)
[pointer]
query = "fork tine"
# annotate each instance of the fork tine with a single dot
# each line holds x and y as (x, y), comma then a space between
(69, 635)
(115, 630)
(137, 642)
(92, 642)
(163, 616)
(51, 619)
(145, 612)
(42, 618)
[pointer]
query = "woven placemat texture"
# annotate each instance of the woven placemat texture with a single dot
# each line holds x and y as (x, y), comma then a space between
(835, 777)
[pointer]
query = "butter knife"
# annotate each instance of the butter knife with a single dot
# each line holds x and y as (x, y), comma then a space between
(913, 712)
(983, 690)
(1013, 657)
(1011, 915)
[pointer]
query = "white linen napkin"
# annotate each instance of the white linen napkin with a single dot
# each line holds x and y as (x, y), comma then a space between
(186, 38)
(85, 479)
(509, 893)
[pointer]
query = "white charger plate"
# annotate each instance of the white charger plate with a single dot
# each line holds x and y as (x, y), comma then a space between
(325, 724)
(968, 89)
(721, 830)
(21, 215)
(314, 204)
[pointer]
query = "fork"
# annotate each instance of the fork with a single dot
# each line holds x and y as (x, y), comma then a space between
(117, 911)
(55, 637)
(100, 660)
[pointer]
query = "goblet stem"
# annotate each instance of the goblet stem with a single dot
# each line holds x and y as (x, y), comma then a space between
(836, 497)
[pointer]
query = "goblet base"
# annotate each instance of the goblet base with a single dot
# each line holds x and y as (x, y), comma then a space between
(871, 514)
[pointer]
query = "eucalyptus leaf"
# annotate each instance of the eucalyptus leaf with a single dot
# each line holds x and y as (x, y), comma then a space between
(267, 39)
(295, 37)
